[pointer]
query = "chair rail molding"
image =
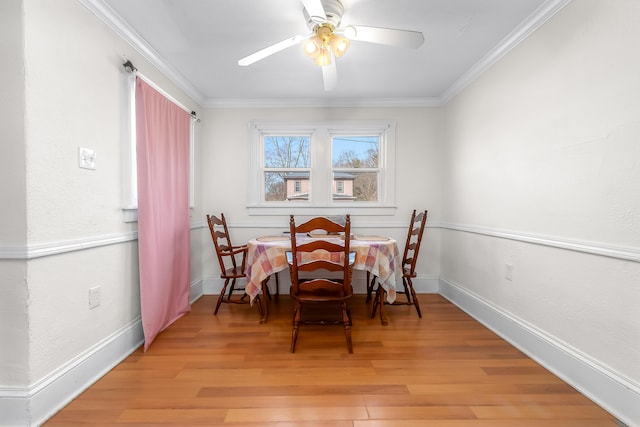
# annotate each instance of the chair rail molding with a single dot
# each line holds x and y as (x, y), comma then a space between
(60, 247)
(618, 252)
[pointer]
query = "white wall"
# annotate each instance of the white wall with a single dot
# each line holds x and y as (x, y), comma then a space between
(225, 169)
(543, 150)
(14, 370)
(65, 232)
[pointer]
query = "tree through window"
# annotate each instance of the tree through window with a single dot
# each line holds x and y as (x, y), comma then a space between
(355, 164)
(287, 161)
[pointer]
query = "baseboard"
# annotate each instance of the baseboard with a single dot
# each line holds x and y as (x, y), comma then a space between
(28, 406)
(196, 290)
(617, 395)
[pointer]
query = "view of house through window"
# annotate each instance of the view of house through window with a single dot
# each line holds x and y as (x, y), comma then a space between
(288, 173)
(355, 167)
(287, 163)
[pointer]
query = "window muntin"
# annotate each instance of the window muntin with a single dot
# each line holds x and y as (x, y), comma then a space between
(273, 180)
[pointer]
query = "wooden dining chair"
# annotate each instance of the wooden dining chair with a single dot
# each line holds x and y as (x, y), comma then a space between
(409, 261)
(320, 271)
(232, 260)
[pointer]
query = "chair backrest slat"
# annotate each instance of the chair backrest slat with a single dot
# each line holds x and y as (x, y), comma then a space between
(320, 254)
(222, 242)
(414, 239)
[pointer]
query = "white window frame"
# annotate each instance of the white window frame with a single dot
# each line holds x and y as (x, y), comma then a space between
(320, 199)
(130, 176)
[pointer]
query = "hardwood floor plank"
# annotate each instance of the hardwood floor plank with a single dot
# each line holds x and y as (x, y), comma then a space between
(444, 370)
(289, 414)
(305, 390)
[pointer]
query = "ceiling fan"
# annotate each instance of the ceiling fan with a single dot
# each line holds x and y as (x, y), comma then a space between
(328, 41)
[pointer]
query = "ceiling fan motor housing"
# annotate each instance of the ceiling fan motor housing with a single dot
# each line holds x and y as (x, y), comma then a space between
(333, 9)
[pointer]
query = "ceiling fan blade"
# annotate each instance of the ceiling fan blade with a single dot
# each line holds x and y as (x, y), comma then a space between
(270, 50)
(330, 75)
(315, 10)
(388, 36)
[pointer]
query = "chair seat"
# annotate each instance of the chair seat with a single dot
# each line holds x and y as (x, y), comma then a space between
(233, 273)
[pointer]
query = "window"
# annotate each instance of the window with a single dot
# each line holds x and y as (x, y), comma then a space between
(130, 179)
(286, 163)
(355, 167)
(332, 165)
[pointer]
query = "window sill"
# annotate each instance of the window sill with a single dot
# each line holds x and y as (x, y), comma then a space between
(130, 214)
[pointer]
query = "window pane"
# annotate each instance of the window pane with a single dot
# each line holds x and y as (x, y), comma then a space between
(359, 186)
(287, 152)
(274, 187)
(286, 186)
(355, 151)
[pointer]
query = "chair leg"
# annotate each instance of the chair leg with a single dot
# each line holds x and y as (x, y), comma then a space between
(231, 289)
(414, 297)
(371, 281)
(258, 300)
(407, 293)
(376, 301)
(296, 326)
(221, 297)
(346, 319)
(266, 297)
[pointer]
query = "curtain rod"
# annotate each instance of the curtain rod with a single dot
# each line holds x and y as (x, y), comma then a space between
(129, 67)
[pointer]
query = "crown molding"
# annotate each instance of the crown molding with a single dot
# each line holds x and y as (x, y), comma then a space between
(541, 15)
(109, 17)
(324, 103)
(532, 23)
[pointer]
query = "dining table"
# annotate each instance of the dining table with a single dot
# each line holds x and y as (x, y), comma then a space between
(267, 255)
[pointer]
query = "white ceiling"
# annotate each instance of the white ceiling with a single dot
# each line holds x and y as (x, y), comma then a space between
(197, 43)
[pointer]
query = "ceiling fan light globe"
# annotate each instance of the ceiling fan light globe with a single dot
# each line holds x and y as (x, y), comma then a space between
(312, 47)
(339, 45)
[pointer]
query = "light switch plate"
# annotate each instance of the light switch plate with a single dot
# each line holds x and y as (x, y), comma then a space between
(86, 158)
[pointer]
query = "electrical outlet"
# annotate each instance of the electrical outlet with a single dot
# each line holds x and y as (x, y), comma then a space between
(508, 271)
(94, 297)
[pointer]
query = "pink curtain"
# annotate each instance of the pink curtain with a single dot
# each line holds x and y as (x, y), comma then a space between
(162, 139)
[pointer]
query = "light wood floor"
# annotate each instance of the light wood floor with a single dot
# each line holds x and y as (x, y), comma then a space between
(445, 369)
